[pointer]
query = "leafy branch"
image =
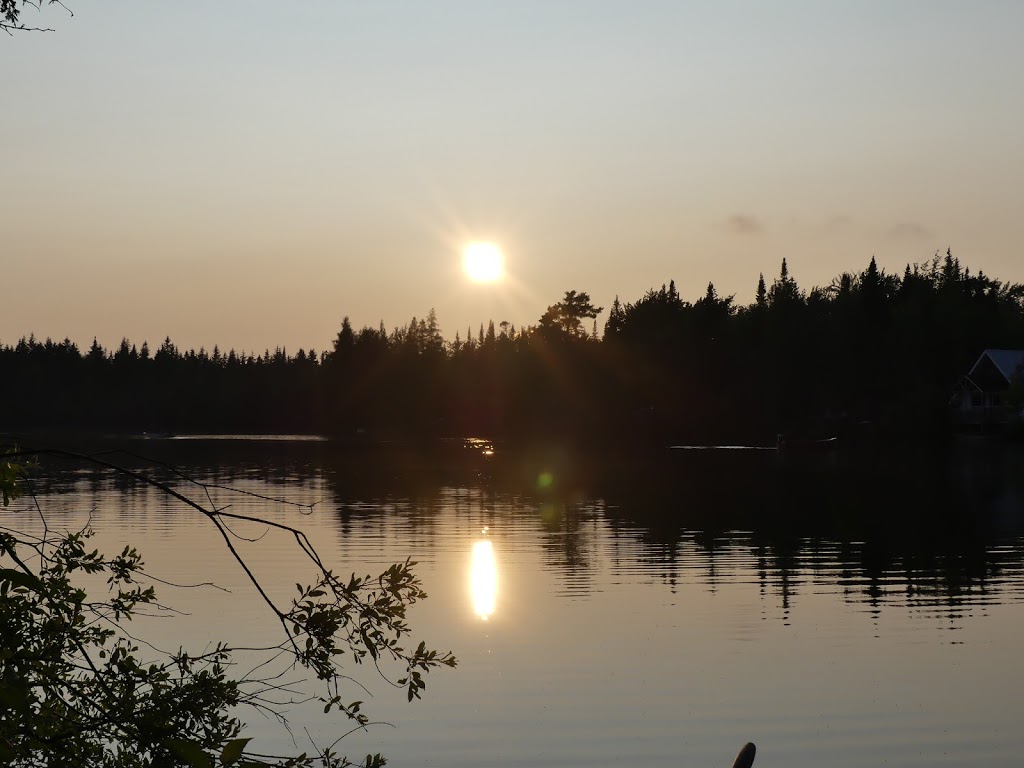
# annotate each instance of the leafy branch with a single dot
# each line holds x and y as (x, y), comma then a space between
(77, 690)
(10, 15)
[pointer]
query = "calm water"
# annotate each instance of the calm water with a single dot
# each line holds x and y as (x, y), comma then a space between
(847, 608)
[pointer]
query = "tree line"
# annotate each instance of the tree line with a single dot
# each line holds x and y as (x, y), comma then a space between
(870, 351)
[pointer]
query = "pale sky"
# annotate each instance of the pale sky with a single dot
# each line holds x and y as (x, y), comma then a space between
(245, 173)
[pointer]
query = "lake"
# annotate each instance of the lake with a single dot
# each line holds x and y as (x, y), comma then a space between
(845, 607)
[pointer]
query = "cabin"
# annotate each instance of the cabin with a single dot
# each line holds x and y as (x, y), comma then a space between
(981, 397)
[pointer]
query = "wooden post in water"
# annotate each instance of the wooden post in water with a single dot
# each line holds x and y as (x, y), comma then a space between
(745, 758)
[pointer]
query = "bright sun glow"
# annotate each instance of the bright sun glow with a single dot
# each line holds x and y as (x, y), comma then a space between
(483, 579)
(483, 262)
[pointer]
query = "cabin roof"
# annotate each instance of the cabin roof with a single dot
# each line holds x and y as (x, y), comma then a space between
(1007, 361)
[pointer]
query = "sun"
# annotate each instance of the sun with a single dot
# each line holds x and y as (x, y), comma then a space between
(483, 262)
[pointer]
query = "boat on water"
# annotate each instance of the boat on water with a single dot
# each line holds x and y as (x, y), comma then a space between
(784, 443)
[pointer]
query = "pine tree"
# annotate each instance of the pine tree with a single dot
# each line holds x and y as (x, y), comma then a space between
(96, 353)
(346, 338)
(615, 319)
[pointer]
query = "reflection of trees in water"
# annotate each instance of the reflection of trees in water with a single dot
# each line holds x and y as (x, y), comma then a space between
(569, 538)
(932, 531)
(940, 583)
(935, 532)
(948, 584)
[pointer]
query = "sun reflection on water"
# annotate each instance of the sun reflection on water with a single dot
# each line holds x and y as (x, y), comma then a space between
(483, 578)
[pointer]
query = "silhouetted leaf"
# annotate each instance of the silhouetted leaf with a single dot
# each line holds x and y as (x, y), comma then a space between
(233, 751)
(189, 751)
(21, 579)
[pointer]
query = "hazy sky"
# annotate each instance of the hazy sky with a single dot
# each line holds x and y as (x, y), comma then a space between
(245, 173)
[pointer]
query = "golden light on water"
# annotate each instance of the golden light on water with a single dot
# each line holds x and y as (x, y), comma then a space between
(483, 579)
(483, 262)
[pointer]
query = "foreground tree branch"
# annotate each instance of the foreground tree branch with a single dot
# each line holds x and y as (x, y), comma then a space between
(10, 15)
(76, 690)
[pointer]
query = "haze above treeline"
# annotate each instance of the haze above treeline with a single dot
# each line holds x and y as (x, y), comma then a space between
(85, 341)
(252, 176)
(871, 350)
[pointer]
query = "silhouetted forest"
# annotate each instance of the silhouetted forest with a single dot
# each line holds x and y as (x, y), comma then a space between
(870, 352)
